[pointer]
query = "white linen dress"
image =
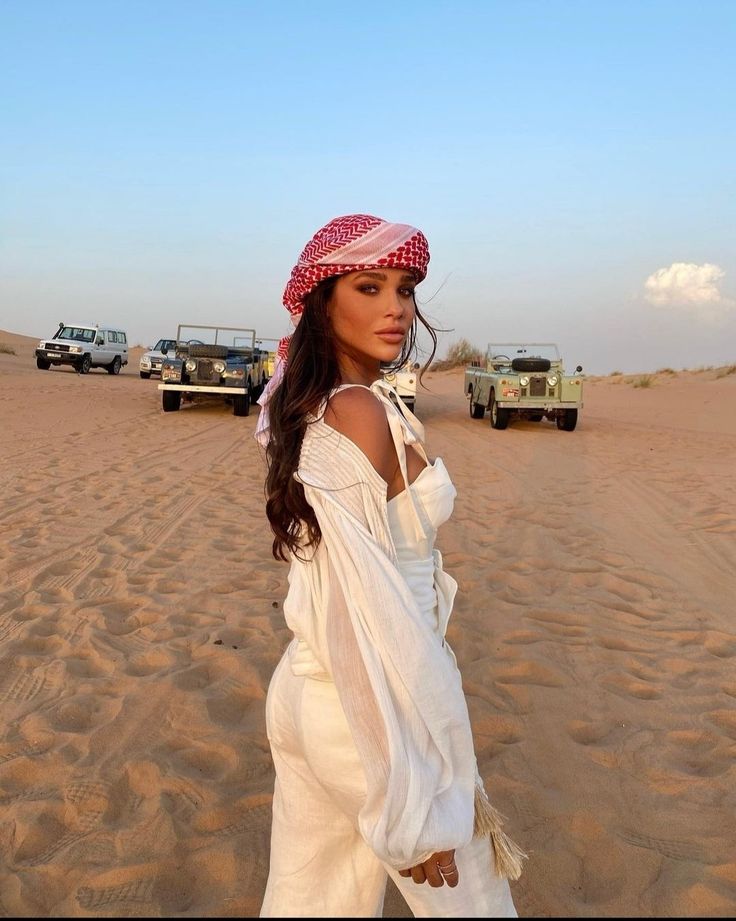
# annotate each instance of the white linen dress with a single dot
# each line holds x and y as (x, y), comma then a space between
(365, 713)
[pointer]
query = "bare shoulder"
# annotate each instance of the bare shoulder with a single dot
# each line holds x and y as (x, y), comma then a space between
(359, 415)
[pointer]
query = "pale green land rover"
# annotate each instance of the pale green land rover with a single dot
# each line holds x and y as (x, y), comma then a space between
(520, 380)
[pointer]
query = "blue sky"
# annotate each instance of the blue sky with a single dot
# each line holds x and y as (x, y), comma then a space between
(165, 162)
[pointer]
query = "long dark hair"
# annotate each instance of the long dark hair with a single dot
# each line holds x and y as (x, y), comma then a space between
(312, 372)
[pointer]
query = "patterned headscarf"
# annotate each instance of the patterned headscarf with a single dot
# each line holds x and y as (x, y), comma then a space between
(351, 243)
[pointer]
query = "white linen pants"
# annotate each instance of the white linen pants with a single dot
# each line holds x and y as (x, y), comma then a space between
(321, 867)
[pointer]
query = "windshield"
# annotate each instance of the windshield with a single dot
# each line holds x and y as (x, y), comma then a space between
(80, 333)
(230, 336)
(164, 344)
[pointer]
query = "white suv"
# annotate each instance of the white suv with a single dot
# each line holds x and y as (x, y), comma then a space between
(404, 381)
(152, 360)
(84, 347)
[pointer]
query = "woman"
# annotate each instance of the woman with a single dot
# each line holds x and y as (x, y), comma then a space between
(368, 725)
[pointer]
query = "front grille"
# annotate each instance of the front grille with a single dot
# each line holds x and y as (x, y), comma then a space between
(57, 347)
(205, 371)
(538, 386)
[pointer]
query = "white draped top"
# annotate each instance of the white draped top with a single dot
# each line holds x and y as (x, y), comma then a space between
(369, 611)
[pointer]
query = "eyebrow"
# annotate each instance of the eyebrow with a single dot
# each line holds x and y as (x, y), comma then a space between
(381, 277)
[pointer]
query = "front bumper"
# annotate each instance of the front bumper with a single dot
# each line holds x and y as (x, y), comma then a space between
(60, 358)
(546, 405)
(199, 388)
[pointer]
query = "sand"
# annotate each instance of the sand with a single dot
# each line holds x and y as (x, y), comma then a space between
(141, 618)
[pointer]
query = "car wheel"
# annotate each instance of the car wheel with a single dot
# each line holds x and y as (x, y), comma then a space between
(567, 420)
(114, 366)
(477, 410)
(171, 400)
(145, 375)
(241, 405)
(84, 365)
(42, 364)
(258, 391)
(499, 414)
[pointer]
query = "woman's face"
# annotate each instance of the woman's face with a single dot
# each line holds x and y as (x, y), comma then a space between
(371, 313)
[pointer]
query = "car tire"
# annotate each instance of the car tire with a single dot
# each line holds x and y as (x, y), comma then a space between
(241, 405)
(258, 391)
(114, 366)
(477, 410)
(171, 400)
(499, 414)
(145, 375)
(42, 364)
(567, 420)
(84, 365)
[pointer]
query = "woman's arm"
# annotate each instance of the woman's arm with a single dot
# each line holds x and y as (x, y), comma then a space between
(398, 685)
(358, 415)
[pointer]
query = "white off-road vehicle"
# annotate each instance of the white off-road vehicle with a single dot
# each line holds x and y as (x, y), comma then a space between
(84, 347)
(404, 381)
(151, 361)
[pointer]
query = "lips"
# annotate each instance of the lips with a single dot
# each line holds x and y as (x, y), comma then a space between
(391, 335)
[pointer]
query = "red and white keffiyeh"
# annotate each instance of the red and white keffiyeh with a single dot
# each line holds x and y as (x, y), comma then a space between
(351, 243)
(354, 243)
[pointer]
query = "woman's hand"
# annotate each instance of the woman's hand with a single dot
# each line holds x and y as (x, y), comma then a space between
(437, 870)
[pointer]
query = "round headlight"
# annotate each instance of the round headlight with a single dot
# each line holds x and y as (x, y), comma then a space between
(552, 380)
(524, 381)
(191, 364)
(219, 366)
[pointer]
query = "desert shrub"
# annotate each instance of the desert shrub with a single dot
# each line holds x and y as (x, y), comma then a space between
(615, 373)
(666, 371)
(646, 380)
(724, 372)
(6, 349)
(459, 354)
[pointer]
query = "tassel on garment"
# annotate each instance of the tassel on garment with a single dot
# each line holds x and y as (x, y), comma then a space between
(488, 823)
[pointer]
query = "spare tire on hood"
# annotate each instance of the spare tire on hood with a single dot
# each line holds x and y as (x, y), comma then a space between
(208, 351)
(530, 364)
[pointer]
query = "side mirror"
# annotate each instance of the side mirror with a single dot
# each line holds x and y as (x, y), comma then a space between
(100, 341)
(164, 351)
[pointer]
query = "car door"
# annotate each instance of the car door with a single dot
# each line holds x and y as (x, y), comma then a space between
(122, 349)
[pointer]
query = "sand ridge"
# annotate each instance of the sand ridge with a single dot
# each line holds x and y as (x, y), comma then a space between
(140, 621)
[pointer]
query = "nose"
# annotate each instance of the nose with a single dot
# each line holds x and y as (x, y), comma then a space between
(396, 305)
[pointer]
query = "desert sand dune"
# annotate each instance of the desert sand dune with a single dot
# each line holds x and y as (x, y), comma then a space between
(140, 621)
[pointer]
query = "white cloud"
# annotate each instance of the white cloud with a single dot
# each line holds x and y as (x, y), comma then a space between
(691, 287)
